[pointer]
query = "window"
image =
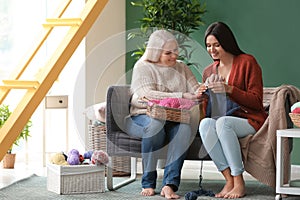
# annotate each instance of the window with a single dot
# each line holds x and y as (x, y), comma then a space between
(20, 26)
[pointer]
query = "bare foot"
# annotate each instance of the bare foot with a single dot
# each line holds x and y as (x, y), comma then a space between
(227, 188)
(168, 193)
(238, 190)
(148, 192)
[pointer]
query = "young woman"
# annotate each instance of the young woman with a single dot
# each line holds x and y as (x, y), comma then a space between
(239, 76)
(158, 75)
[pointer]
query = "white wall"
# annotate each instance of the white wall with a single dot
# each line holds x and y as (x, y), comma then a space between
(85, 82)
(105, 47)
(105, 52)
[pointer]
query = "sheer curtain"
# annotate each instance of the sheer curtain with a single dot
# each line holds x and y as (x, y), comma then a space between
(20, 26)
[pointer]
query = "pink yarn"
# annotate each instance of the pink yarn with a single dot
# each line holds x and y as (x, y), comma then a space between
(99, 157)
(179, 103)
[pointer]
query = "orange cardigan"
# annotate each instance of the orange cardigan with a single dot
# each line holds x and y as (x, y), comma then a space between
(246, 79)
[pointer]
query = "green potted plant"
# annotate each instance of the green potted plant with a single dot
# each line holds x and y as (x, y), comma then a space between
(9, 158)
(181, 17)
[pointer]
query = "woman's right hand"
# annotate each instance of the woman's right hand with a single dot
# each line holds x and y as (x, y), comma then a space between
(214, 78)
(190, 96)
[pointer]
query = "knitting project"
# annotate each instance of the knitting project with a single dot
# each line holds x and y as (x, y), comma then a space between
(179, 103)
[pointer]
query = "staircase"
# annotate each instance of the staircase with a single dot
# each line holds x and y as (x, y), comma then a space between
(36, 90)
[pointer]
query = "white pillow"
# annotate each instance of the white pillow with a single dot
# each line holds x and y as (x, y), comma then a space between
(96, 112)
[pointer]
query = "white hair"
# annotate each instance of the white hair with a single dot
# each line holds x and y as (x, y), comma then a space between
(155, 45)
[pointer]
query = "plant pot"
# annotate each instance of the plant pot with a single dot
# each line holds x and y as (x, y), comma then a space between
(9, 161)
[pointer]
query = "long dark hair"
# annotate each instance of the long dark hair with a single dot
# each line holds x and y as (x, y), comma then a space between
(224, 36)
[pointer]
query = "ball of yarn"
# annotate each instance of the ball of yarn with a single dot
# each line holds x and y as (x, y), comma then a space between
(58, 159)
(73, 157)
(99, 157)
(295, 108)
(74, 152)
(88, 155)
(81, 158)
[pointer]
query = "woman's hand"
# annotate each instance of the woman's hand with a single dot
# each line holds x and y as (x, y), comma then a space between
(214, 78)
(197, 95)
(190, 96)
(220, 87)
(202, 88)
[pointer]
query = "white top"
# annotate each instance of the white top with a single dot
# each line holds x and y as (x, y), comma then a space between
(157, 82)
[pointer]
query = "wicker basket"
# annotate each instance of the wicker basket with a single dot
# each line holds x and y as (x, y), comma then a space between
(97, 141)
(295, 118)
(170, 114)
(75, 179)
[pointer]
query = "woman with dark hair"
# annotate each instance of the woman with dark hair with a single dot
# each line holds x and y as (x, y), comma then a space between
(238, 76)
(157, 76)
(225, 37)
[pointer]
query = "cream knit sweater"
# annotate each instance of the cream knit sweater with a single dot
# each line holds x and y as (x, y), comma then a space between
(157, 82)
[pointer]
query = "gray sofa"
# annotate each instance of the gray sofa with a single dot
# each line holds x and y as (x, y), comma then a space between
(119, 143)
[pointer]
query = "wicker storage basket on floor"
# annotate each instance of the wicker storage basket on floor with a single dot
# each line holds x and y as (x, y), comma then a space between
(97, 141)
(75, 179)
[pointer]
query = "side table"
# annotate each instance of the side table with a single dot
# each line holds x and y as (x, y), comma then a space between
(280, 187)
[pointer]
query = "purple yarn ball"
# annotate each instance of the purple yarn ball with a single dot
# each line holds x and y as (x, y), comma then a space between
(73, 160)
(73, 157)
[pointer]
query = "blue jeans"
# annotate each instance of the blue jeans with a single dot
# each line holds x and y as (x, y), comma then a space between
(220, 139)
(160, 139)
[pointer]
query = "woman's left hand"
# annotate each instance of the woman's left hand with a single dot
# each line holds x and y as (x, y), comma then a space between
(219, 87)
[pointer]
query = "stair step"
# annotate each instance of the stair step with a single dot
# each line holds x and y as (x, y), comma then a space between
(50, 22)
(19, 84)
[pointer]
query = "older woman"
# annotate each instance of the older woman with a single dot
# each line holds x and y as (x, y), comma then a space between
(158, 75)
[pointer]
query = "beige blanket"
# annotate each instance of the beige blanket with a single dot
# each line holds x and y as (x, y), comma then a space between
(259, 150)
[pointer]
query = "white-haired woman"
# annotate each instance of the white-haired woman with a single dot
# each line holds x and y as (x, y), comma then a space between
(158, 75)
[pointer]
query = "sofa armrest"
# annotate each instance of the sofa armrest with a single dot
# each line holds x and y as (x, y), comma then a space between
(117, 99)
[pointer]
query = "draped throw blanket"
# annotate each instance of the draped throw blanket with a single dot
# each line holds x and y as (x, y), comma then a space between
(259, 150)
